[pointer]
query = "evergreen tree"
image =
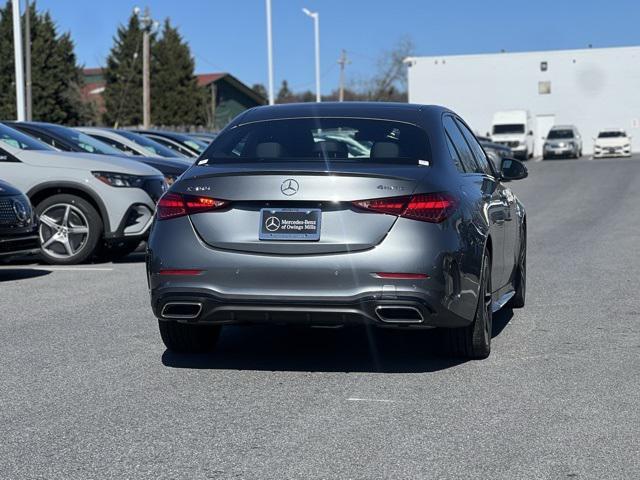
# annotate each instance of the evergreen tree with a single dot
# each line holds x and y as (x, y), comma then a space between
(260, 90)
(285, 95)
(56, 79)
(176, 98)
(123, 76)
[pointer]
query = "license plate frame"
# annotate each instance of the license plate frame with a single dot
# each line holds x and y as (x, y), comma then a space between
(287, 231)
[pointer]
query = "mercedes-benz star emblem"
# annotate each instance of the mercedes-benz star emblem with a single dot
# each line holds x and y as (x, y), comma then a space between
(289, 187)
(272, 224)
(20, 210)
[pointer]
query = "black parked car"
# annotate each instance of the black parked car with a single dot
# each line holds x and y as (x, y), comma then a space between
(179, 142)
(18, 225)
(495, 151)
(71, 140)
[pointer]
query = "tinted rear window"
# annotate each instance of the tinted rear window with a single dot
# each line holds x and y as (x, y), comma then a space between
(321, 139)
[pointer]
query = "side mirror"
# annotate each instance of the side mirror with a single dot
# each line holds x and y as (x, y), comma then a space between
(544, 138)
(530, 132)
(512, 169)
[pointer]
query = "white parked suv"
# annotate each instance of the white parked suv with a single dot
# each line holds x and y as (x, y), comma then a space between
(83, 200)
(612, 142)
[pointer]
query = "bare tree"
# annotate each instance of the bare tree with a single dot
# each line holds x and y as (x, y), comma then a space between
(390, 82)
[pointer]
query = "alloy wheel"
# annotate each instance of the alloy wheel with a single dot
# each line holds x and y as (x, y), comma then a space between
(64, 230)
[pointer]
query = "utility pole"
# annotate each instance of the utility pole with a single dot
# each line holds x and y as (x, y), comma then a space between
(269, 52)
(27, 62)
(17, 51)
(316, 30)
(147, 27)
(342, 61)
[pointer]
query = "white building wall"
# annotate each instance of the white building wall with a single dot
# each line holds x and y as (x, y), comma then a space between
(590, 88)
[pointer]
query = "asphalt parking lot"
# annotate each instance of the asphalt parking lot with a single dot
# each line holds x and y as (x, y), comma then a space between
(88, 390)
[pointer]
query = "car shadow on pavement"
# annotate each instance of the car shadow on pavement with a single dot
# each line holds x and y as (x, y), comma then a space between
(348, 349)
(135, 257)
(500, 320)
(11, 274)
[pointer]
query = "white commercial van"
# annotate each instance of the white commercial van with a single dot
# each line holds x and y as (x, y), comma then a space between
(514, 129)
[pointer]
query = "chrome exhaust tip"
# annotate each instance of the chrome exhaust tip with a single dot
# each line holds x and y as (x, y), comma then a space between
(181, 310)
(399, 314)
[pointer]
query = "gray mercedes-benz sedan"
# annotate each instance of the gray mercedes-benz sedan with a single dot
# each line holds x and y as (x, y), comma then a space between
(333, 213)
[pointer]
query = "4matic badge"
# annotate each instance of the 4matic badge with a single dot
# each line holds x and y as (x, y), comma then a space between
(395, 188)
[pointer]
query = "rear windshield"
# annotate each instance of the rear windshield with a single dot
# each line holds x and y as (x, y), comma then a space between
(508, 128)
(16, 139)
(611, 134)
(560, 134)
(321, 139)
(151, 146)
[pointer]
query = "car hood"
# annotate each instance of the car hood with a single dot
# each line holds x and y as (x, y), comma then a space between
(7, 189)
(168, 166)
(612, 142)
(84, 161)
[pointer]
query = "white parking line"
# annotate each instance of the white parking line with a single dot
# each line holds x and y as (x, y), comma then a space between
(58, 269)
(380, 400)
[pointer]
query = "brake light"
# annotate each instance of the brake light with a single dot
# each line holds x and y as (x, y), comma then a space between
(173, 205)
(426, 207)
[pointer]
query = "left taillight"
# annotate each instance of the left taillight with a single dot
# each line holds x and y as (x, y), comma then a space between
(426, 207)
(173, 205)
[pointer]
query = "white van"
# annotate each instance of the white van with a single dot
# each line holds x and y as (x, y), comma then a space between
(514, 129)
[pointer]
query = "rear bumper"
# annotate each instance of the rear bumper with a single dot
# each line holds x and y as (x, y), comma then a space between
(368, 309)
(333, 288)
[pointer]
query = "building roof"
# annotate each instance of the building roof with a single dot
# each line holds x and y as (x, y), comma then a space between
(205, 79)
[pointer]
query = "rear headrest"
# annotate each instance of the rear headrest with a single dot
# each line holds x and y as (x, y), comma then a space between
(269, 150)
(330, 149)
(385, 150)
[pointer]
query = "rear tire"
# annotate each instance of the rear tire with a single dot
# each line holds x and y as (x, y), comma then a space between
(474, 341)
(520, 278)
(187, 338)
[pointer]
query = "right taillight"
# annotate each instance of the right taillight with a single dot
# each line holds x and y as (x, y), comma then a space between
(173, 205)
(426, 207)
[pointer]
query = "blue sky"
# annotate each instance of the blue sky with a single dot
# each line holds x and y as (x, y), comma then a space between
(230, 35)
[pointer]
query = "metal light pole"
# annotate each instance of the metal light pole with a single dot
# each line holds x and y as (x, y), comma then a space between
(269, 52)
(17, 50)
(147, 26)
(316, 28)
(27, 62)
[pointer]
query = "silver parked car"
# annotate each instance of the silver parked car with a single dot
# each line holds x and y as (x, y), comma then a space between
(130, 142)
(274, 226)
(562, 141)
(82, 200)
